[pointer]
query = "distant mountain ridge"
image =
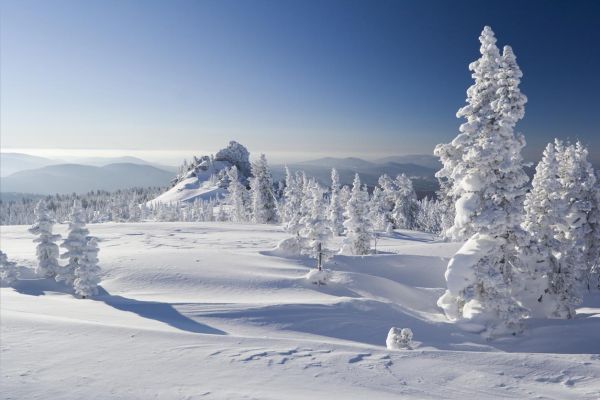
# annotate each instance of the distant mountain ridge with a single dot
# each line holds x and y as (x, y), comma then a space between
(77, 178)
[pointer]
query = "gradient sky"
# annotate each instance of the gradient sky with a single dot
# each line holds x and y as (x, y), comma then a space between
(315, 77)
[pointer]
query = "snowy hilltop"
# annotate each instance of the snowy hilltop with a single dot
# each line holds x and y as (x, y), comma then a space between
(206, 177)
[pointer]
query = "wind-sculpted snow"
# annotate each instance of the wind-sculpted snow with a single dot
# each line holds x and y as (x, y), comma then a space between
(213, 310)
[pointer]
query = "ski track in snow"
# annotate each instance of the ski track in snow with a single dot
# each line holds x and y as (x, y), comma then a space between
(210, 311)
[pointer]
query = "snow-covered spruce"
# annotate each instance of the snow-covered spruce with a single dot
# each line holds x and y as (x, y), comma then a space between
(237, 197)
(335, 211)
(405, 203)
(8, 270)
(482, 167)
(264, 208)
(315, 230)
(483, 173)
(75, 244)
(292, 195)
(47, 249)
(399, 339)
(357, 225)
(87, 272)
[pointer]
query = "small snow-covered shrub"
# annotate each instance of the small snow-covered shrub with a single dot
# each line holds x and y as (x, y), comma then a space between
(399, 339)
(8, 270)
(290, 247)
(318, 277)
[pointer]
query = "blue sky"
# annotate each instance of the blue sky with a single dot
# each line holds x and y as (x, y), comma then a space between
(359, 78)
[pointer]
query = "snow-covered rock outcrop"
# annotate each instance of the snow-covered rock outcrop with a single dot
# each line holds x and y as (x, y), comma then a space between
(206, 177)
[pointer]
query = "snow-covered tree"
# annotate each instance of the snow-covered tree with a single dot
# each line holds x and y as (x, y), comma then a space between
(429, 216)
(483, 164)
(47, 249)
(378, 211)
(483, 173)
(87, 272)
(335, 211)
(356, 224)
(316, 230)
(405, 203)
(236, 197)
(388, 201)
(264, 207)
(75, 244)
(573, 232)
(538, 243)
(292, 197)
(8, 270)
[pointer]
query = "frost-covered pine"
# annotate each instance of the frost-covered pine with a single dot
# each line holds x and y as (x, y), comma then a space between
(356, 224)
(47, 249)
(483, 174)
(378, 210)
(388, 201)
(8, 270)
(405, 204)
(335, 212)
(236, 197)
(574, 232)
(316, 230)
(538, 244)
(75, 244)
(87, 272)
(482, 167)
(264, 207)
(292, 198)
(429, 216)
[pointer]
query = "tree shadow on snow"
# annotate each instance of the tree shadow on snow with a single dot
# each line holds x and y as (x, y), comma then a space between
(161, 312)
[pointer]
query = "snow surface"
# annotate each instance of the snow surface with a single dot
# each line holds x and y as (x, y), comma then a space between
(211, 310)
(190, 189)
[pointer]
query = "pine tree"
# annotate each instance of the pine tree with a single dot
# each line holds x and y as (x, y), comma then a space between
(377, 211)
(236, 197)
(75, 244)
(390, 193)
(542, 212)
(316, 230)
(47, 249)
(8, 270)
(356, 224)
(405, 204)
(483, 174)
(335, 212)
(264, 208)
(574, 232)
(87, 272)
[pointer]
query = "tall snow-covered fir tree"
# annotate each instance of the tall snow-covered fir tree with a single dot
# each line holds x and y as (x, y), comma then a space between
(316, 230)
(47, 249)
(377, 211)
(264, 207)
(8, 270)
(405, 204)
(292, 198)
(388, 201)
(538, 243)
(483, 174)
(574, 231)
(75, 244)
(335, 211)
(356, 224)
(87, 272)
(236, 198)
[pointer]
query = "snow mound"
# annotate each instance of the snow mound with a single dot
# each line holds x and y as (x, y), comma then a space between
(318, 277)
(399, 339)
